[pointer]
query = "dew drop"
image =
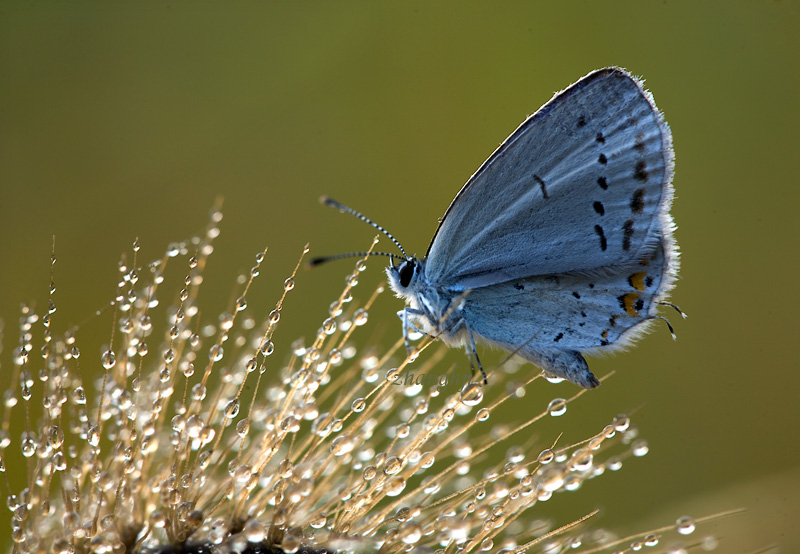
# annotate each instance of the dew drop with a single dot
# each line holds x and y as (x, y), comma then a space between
(358, 405)
(109, 360)
(360, 317)
(393, 466)
(621, 423)
(329, 326)
(651, 539)
(557, 407)
(409, 532)
(471, 394)
(640, 448)
(232, 409)
(685, 525)
(546, 456)
(342, 445)
(254, 531)
(79, 395)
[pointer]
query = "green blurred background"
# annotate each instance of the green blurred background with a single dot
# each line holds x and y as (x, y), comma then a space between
(118, 121)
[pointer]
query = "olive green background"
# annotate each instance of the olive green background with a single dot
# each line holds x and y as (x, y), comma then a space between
(124, 120)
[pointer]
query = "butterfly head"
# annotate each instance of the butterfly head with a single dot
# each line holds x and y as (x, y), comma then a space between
(404, 277)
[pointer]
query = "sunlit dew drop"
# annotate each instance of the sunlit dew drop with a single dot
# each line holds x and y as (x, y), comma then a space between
(288, 284)
(358, 405)
(640, 448)
(232, 409)
(241, 303)
(482, 414)
(471, 394)
(255, 531)
(215, 353)
(342, 445)
(581, 461)
(685, 525)
(274, 317)
(108, 359)
(242, 473)
(393, 465)
(198, 392)
(651, 540)
(79, 395)
(335, 309)
(614, 464)
(621, 423)
(28, 444)
(329, 326)
(409, 532)
(318, 522)
(360, 317)
(93, 436)
(557, 407)
(546, 456)
(395, 486)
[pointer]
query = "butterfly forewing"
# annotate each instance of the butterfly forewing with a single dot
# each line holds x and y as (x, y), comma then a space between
(582, 185)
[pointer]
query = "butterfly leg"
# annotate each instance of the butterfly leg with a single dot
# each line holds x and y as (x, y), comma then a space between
(463, 323)
(403, 315)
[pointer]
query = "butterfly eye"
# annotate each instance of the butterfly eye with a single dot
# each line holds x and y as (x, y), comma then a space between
(406, 272)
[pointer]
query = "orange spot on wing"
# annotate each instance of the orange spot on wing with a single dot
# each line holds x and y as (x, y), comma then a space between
(628, 301)
(637, 280)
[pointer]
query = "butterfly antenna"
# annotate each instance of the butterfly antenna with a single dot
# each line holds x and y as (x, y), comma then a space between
(324, 259)
(342, 208)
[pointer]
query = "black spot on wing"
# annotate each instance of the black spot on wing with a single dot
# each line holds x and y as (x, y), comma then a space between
(602, 159)
(639, 144)
(519, 286)
(558, 337)
(576, 295)
(602, 235)
(627, 234)
(637, 201)
(600, 138)
(581, 121)
(541, 184)
(640, 173)
(603, 183)
(599, 208)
